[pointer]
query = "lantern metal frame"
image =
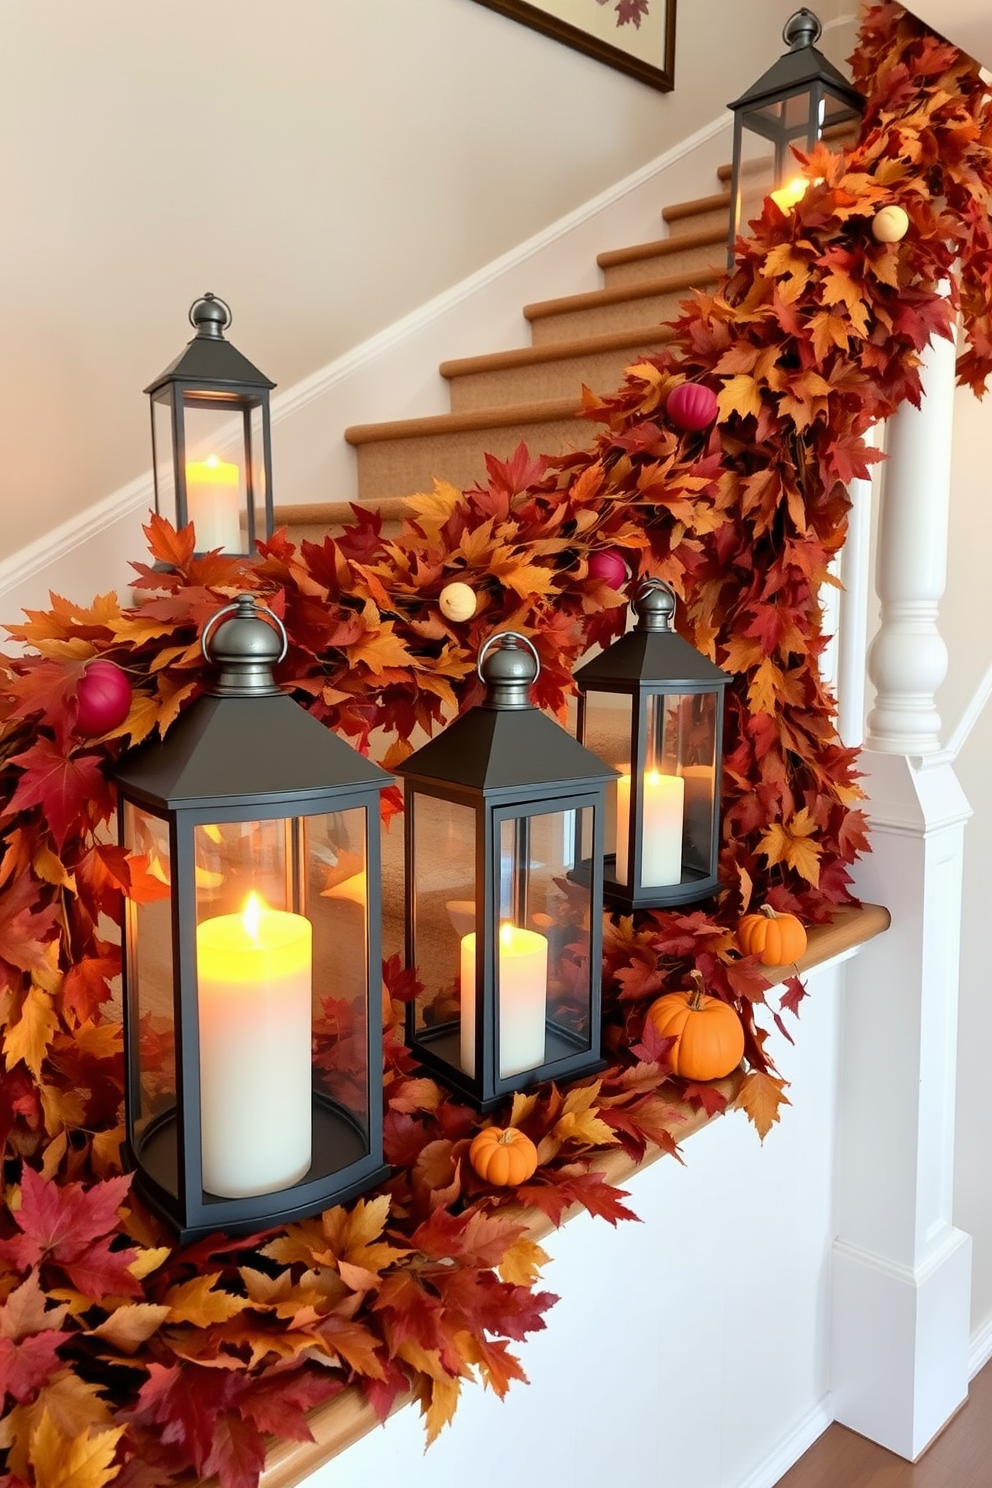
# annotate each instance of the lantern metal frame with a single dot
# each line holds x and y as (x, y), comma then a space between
(244, 752)
(506, 761)
(767, 108)
(646, 665)
(211, 375)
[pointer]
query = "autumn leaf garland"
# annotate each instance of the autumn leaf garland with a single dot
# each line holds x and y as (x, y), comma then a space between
(123, 1357)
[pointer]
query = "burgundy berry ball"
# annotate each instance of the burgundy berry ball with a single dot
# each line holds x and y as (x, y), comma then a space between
(691, 406)
(608, 566)
(103, 699)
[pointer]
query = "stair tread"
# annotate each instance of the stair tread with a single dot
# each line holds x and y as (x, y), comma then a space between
(433, 425)
(707, 237)
(681, 210)
(553, 351)
(622, 293)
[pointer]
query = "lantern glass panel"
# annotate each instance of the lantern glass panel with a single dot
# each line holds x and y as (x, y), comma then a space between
(162, 454)
(443, 913)
(255, 420)
(551, 1018)
(152, 1031)
(282, 977)
(216, 471)
(608, 732)
(335, 892)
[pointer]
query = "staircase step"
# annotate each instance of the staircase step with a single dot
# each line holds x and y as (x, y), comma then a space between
(554, 370)
(699, 214)
(312, 521)
(623, 308)
(397, 458)
(683, 253)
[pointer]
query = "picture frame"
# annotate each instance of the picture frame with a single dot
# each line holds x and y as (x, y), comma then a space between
(635, 36)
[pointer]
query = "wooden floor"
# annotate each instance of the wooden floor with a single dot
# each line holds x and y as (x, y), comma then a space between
(961, 1456)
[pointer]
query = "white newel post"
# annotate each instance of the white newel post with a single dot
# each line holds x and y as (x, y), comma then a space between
(901, 1271)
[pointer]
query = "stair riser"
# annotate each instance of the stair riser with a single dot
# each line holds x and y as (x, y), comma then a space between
(397, 467)
(698, 222)
(599, 320)
(558, 379)
(686, 260)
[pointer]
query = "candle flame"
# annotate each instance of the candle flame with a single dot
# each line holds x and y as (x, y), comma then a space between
(653, 777)
(251, 915)
(211, 462)
(506, 933)
(793, 191)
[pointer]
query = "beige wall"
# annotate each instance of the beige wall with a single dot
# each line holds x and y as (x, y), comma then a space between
(326, 165)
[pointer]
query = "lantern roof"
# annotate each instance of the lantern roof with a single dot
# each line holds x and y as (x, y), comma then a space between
(209, 360)
(653, 654)
(261, 750)
(493, 749)
(799, 69)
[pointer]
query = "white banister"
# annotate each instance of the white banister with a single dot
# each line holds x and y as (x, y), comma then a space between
(901, 1268)
(907, 660)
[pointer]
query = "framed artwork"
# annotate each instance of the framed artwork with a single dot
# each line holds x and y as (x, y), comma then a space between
(636, 36)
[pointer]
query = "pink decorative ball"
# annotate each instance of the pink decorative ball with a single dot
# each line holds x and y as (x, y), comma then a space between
(103, 699)
(608, 566)
(692, 406)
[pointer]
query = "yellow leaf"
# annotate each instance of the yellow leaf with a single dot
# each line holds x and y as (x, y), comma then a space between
(521, 1264)
(196, 1302)
(740, 395)
(583, 1126)
(431, 509)
(760, 1096)
(82, 1461)
(379, 648)
(793, 846)
(62, 1108)
(131, 1325)
(29, 1036)
(51, 869)
(73, 1406)
(582, 1098)
(522, 1107)
(444, 1393)
(147, 1261)
(763, 693)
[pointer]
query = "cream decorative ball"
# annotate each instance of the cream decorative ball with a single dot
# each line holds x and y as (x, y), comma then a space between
(890, 224)
(458, 601)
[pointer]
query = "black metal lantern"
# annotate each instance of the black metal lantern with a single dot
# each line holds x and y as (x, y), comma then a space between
(796, 102)
(211, 459)
(652, 706)
(252, 967)
(504, 820)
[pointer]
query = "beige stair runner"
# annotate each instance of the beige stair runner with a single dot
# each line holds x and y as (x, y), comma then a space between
(533, 393)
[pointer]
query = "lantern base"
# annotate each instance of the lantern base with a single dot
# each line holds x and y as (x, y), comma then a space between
(566, 1056)
(692, 888)
(341, 1168)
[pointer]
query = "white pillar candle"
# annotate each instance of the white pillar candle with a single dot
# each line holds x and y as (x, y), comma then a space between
(253, 991)
(213, 504)
(661, 829)
(523, 997)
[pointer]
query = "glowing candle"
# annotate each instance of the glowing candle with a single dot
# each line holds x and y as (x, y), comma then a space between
(253, 991)
(213, 504)
(661, 828)
(793, 191)
(523, 996)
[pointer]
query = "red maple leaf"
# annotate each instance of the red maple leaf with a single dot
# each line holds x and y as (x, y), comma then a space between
(87, 984)
(24, 928)
(631, 11)
(26, 1364)
(68, 1225)
(237, 1452)
(70, 789)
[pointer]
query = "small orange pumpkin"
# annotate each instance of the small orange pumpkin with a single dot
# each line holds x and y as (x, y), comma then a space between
(776, 939)
(503, 1156)
(709, 1032)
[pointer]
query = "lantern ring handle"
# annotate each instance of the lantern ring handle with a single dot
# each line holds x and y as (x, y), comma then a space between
(261, 611)
(499, 635)
(651, 584)
(217, 301)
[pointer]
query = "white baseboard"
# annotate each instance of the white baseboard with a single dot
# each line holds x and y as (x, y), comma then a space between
(980, 1348)
(391, 375)
(791, 1448)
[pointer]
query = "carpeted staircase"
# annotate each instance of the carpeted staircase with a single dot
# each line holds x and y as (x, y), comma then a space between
(532, 393)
